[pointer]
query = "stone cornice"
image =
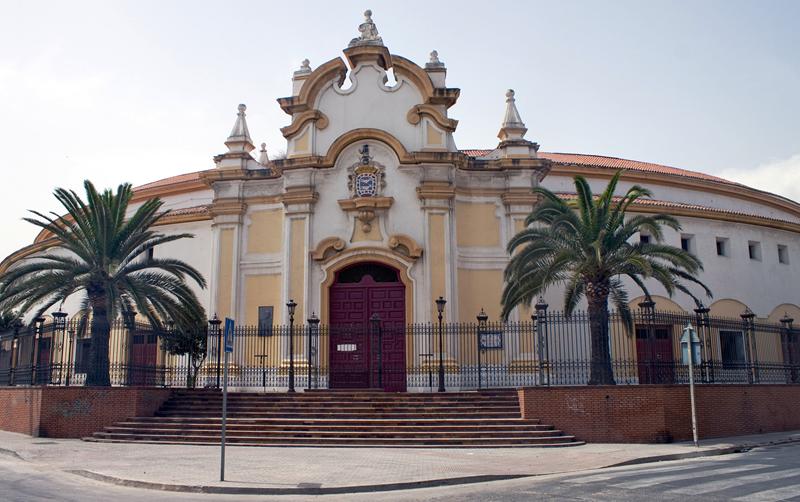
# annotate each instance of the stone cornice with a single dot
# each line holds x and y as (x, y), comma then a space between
(227, 207)
(436, 191)
(299, 195)
(360, 203)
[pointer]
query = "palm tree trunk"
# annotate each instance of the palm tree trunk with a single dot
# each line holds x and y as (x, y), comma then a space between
(600, 372)
(98, 372)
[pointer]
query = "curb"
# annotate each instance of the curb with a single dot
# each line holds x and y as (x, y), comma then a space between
(300, 490)
(705, 453)
(432, 483)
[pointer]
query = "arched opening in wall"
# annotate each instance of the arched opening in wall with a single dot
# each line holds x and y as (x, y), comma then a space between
(367, 328)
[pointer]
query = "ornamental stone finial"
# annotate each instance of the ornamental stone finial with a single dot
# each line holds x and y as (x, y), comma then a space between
(369, 32)
(240, 130)
(239, 138)
(512, 118)
(434, 62)
(263, 158)
(304, 70)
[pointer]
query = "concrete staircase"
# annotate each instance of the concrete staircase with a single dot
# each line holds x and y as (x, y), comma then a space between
(486, 419)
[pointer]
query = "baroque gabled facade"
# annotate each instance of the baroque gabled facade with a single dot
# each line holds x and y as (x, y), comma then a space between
(375, 209)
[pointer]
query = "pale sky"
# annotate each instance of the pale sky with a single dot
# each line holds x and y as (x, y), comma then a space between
(141, 90)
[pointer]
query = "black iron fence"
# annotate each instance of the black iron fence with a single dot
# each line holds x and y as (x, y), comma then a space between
(551, 349)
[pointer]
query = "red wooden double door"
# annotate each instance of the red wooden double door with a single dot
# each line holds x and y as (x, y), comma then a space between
(365, 352)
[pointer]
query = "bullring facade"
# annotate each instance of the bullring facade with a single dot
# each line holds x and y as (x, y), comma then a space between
(375, 209)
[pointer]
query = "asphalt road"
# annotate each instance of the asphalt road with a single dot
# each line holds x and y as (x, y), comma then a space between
(764, 474)
(760, 475)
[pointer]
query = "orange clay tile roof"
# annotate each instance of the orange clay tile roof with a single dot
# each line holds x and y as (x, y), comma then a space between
(611, 163)
(181, 178)
(558, 158)
(681, 205)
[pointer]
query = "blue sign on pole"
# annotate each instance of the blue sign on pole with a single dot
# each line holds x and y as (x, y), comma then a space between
(228, 335)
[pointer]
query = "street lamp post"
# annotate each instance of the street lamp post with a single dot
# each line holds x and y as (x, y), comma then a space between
(541, 339)
(291, 305)
(215, 322)
(313, 326)
(482, 318)
(701, 313)
(750, 345)
(786, 336)
(440, 303)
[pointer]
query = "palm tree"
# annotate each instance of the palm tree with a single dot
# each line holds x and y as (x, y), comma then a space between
(584, 244)
(105, 257)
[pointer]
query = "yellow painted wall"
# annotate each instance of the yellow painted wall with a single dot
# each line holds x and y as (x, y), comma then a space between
(727, 308)
(479, 289)
(265, 232)
(225, 273)
(433, 136)
(525, 311)
(262, 290)
(297, 260)
(662, 304)
(437, 255)
(477, 225)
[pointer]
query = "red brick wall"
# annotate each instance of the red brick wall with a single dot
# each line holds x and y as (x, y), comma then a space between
(660, 413)
(19, 409)
(73, 412)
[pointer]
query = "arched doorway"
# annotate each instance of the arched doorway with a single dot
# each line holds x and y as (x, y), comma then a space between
(365, 352)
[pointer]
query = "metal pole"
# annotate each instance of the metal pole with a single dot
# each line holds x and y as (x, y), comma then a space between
(224, 421)
(482, 317)
(291, 352)
(441, 355)
(308, 358)
(691, 385)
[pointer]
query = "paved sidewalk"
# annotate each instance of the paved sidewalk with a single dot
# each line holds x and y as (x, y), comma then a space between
(275, 470)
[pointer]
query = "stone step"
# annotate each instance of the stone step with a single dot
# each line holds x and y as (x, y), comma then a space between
(344, 429)
(298, 444)
(376, 402)
(340, 415)
(338, 440)
(119, 426)
(480, 434)
(363, 418)
(387, 422)
(352, 408)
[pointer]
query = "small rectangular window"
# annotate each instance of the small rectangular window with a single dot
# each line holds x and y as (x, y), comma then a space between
(754, 250)
(722, 246)
(687, 243)
(644, 238)
(783, 254)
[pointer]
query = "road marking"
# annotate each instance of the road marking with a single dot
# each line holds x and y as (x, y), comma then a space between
(773, 495)
(642, 483)
(713, 486)
(638, 472)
